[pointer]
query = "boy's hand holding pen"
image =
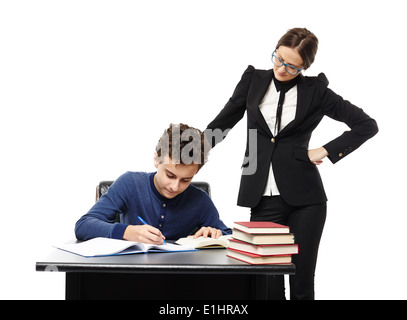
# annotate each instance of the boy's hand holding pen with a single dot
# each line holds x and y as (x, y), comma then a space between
(144, 233)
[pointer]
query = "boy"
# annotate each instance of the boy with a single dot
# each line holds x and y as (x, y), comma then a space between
(165, 200)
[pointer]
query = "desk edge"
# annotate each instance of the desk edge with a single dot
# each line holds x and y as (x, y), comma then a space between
(276, 269)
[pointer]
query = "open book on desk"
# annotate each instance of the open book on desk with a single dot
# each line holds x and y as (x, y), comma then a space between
(99, 247)
(205, 243)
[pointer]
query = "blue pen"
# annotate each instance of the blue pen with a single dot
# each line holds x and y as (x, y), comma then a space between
(143, 222)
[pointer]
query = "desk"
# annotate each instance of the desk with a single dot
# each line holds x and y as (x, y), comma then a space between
(204, 274)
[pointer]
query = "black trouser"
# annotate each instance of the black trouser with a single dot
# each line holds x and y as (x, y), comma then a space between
(307, 223)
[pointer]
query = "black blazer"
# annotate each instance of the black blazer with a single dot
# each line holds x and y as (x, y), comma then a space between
(297, 178)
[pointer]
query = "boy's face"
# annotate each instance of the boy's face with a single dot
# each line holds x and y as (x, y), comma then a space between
(172, 179)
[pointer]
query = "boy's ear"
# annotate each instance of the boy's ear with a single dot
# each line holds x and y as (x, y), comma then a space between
(156, 162)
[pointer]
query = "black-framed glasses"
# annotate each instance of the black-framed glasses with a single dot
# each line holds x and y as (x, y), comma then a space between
(289, 68)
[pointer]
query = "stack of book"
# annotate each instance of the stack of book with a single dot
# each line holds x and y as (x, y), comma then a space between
(259, 242)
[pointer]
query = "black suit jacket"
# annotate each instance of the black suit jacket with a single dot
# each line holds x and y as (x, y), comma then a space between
(297, 178)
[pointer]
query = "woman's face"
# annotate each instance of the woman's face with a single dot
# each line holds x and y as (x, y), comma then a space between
(289, 56)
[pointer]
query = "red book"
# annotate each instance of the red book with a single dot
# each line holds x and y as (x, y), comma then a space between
(258, 259)
(264, 249)
(263, 238)
(261, 227)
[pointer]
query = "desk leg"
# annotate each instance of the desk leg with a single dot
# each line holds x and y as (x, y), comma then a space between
(73, 286)
(268, 287)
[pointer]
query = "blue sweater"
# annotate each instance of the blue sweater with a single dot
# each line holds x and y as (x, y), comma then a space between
(134, 194)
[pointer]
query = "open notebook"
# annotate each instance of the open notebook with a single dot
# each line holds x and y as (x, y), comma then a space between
(99, 247)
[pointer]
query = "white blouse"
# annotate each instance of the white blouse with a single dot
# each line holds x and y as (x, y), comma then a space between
(268, 108)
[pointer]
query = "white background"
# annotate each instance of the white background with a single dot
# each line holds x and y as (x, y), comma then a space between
(87, 88)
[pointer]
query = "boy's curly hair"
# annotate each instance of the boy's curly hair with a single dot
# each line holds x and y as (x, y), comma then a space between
(183, 145)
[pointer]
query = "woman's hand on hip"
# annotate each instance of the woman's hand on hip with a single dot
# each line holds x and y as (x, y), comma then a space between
(316, 155)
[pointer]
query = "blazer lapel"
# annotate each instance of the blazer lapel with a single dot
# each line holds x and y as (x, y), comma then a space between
(305, 92)
(261, 83)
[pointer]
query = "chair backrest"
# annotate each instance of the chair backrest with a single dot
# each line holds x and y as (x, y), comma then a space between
(103, 186)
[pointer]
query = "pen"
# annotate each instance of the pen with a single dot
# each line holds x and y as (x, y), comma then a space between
(143, 222)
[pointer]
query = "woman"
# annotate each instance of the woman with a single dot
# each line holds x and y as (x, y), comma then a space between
(284, 107)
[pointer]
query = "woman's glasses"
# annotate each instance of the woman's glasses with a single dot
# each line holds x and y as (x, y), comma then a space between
(289, 68)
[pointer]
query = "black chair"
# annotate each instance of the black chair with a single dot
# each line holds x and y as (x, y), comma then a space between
(103, 186)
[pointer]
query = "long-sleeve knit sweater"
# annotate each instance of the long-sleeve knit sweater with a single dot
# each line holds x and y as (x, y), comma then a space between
(133, 194)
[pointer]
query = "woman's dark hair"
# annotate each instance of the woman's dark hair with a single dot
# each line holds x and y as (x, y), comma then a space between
(304, 41)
